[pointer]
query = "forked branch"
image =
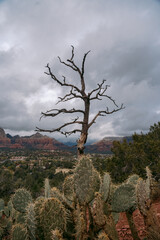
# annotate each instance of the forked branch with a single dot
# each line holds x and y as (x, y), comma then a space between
(59, 129)
(56, 112)
(104, 113)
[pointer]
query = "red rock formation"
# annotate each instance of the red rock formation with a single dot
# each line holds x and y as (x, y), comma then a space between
(123, 228)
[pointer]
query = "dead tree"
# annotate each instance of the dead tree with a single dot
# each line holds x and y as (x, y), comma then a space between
(78, 93)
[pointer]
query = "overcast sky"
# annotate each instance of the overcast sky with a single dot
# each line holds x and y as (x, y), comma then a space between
(124, 39)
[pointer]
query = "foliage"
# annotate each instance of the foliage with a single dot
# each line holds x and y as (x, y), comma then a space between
(133, 157)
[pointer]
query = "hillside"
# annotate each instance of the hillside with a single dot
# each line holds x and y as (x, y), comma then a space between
(35, 141)
(42, 142)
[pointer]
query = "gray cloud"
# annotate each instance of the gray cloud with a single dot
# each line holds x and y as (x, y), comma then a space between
(124, 40)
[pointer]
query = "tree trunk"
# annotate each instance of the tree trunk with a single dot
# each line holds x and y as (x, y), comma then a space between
(80, 144)
(84, 134)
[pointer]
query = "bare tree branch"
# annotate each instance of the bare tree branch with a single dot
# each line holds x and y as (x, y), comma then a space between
(101, 93)
(75, 121)
(60, 82)
(98, 88)
(104, 113)
(75, 92)
(83, 62)
(55, 112)
(69, 96)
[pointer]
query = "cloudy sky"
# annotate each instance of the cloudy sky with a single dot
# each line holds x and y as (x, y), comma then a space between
(124, 39)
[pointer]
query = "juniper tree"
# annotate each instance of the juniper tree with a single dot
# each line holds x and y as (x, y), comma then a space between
(75, 92)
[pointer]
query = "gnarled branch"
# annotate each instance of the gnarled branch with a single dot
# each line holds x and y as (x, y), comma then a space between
(75, 121)
(104, 113)
(55, 112)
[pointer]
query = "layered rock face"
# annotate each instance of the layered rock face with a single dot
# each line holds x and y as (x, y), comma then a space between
(36, 141)
(2, 133)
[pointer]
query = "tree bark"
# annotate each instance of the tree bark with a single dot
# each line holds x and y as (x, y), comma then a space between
(84, 134)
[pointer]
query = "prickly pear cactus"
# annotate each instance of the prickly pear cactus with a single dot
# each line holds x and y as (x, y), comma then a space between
(68, 188)
(149, 182)
(6, 211)
(124, 198)
(47, 188)
(52, 216)
(30, 221)
(103, 236)
(21, 199)
(5, 227)
(37, 208)
(1, 205)
(19, 217)
(80, 223)
(86, 181)
(132, 179)
(56, 235)
(19, 232)
(115, 217)
(105, 186)
(55, 193)
(97, 210)
(142, 196)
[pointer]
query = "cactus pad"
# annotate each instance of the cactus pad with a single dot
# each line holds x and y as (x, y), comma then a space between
(105, 186)
(19, 232)
(21, 199)
(132, 179)
(30, 221)
(52, 216)
(97, 210)
(86, 181)
(124, 198)
(47, 188)
(142, 196)
(1, 204)
(56, 235)
(103, 236)
(68, 188)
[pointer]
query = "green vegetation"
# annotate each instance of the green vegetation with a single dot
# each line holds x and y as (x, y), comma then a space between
(133, 157)
(39, 202)
(31, 172)
(88, 214)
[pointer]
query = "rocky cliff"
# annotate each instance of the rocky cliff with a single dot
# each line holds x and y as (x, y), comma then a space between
(35, 141)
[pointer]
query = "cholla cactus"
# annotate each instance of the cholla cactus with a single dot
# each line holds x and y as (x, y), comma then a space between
(19, 232)
(21, 199)
(124, 198)
(47, 188)
(86, 181)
